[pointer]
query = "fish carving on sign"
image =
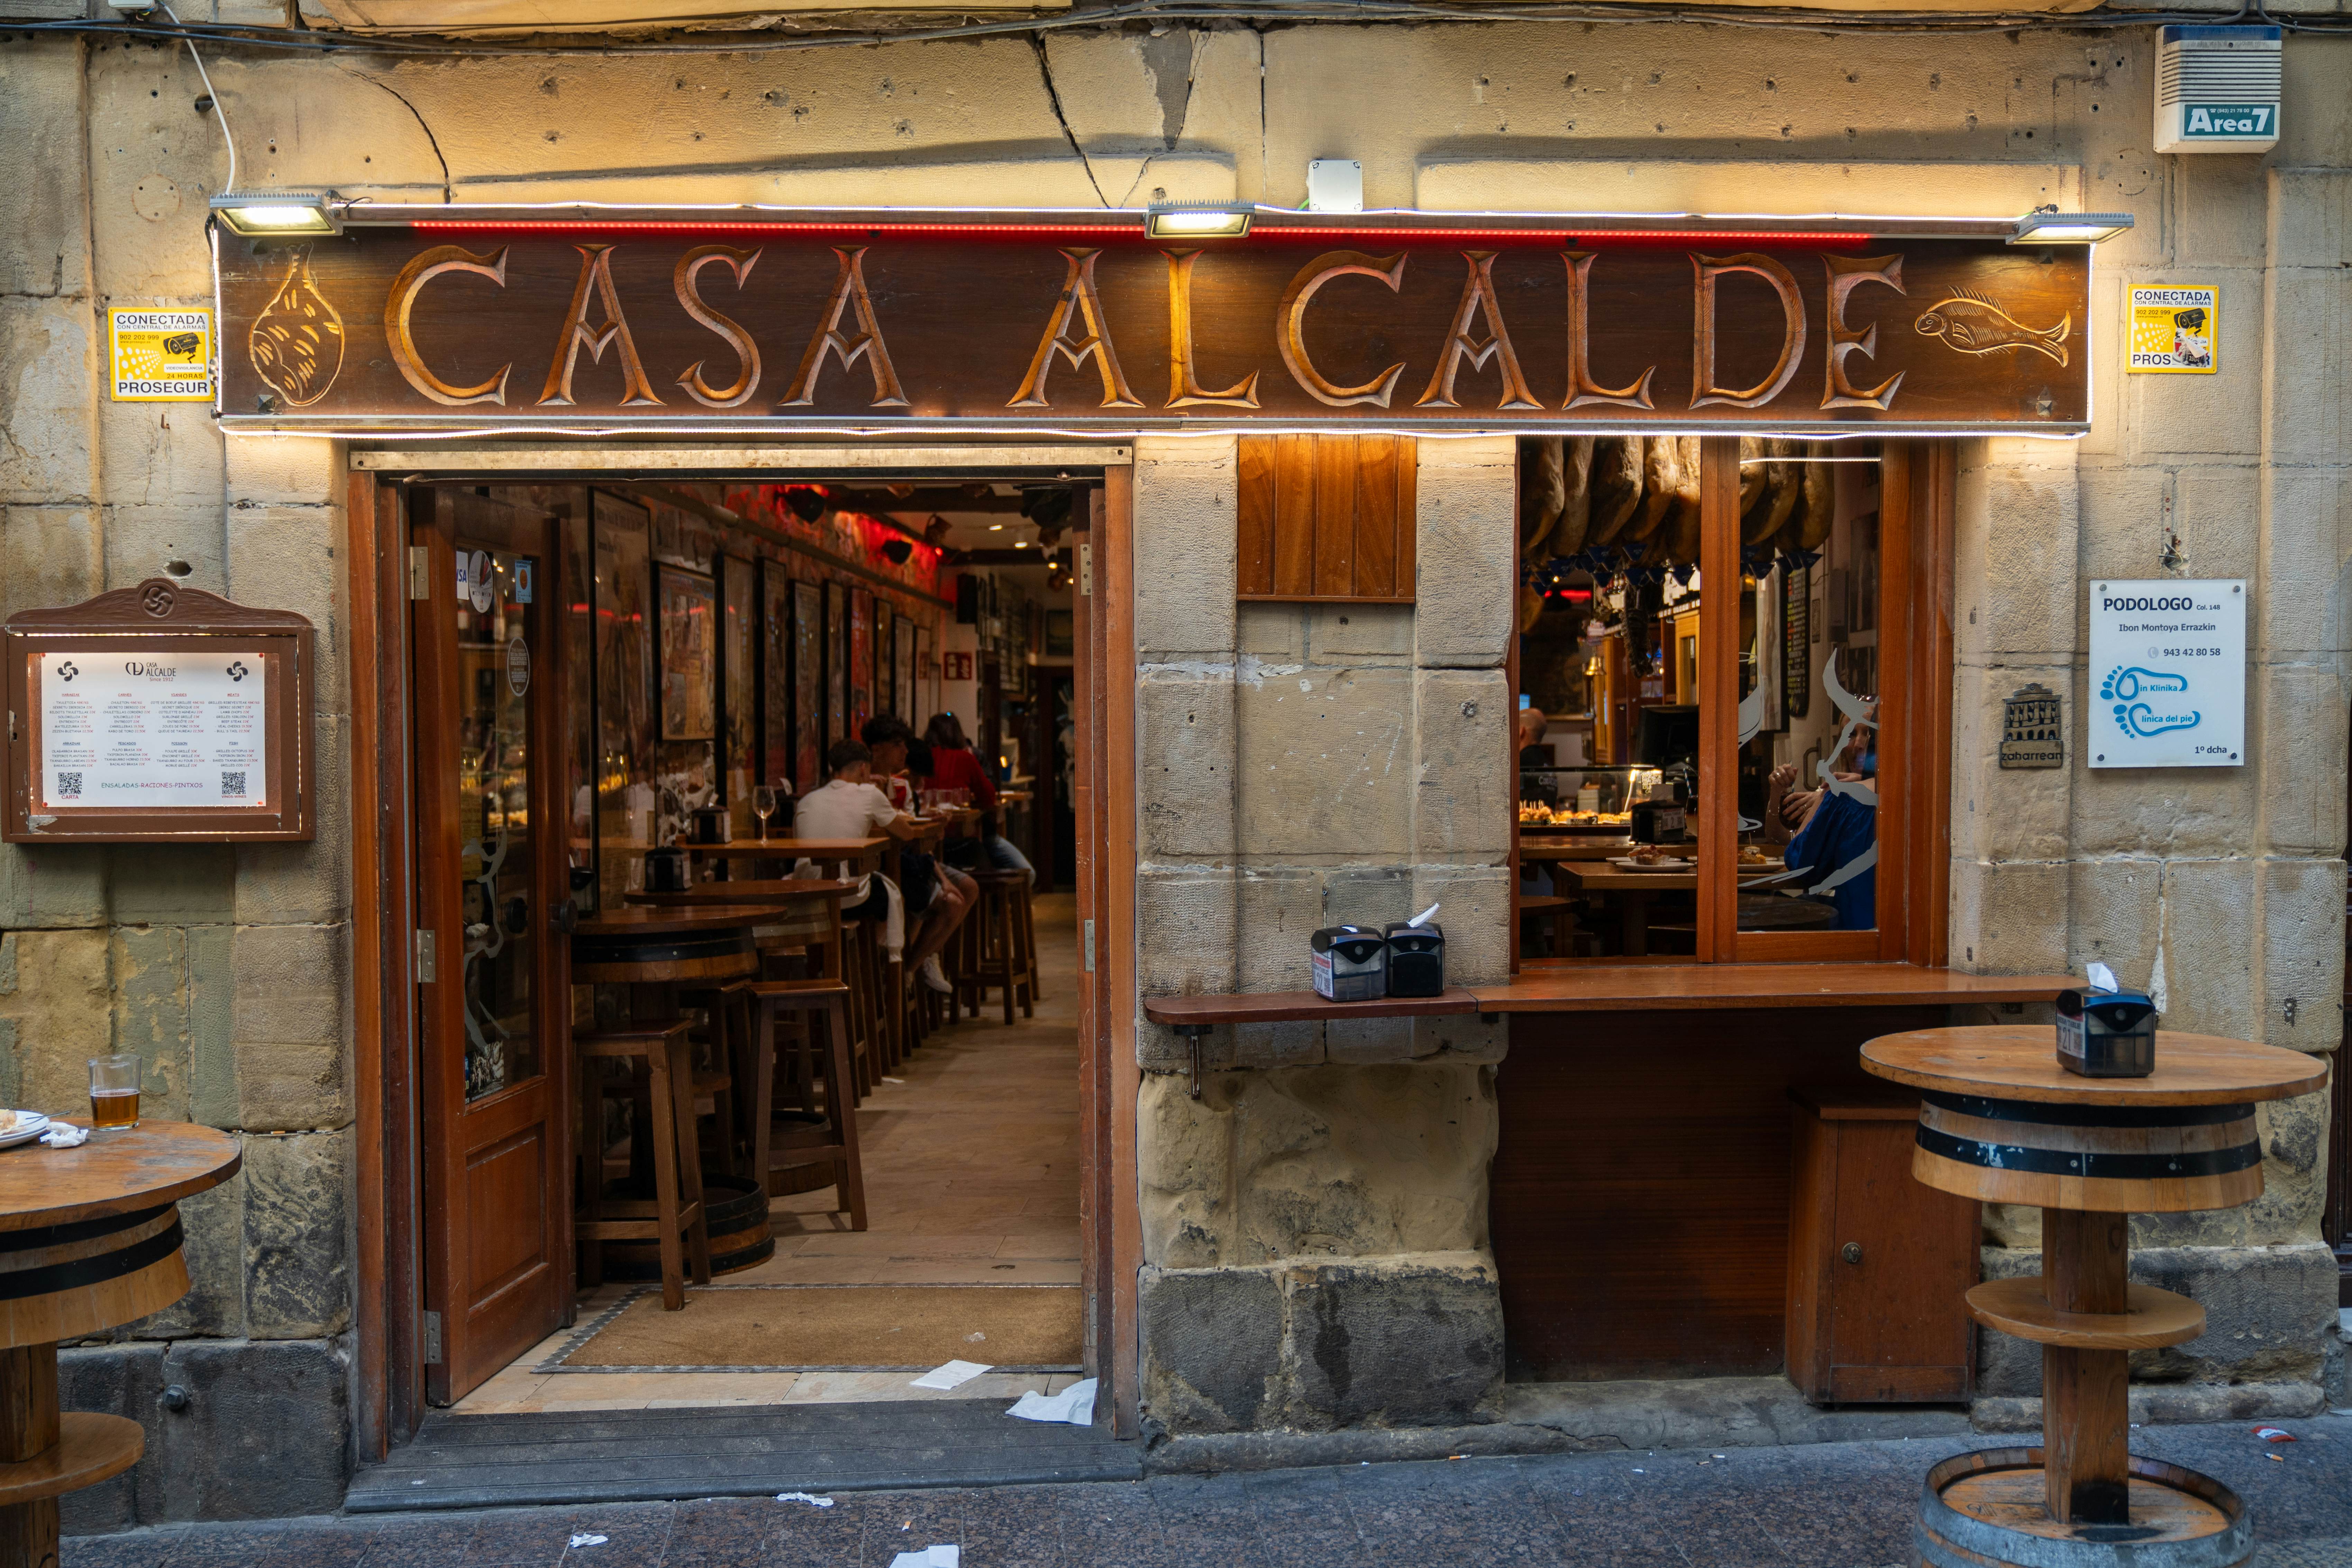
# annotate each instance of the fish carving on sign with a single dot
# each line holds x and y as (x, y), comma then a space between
(1978, 326)
(297, 342)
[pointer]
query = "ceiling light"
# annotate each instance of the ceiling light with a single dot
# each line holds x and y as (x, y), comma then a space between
(1020, 545)
(1226, 219)
(996, 528)
(266, 215)
(2068, 228)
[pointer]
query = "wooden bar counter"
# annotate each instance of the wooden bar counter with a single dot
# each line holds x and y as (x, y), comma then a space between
(90, 1239)
(2001, 1121)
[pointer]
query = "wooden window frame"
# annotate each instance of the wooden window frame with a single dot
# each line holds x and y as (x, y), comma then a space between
(1917, 483)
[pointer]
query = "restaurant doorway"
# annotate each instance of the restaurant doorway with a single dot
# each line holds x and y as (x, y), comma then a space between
(594, 673)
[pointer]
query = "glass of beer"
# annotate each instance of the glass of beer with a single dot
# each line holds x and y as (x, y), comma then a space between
(113, 1092)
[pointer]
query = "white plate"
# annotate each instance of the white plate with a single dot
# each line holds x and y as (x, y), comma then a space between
(1627, 863)
(30, 1124)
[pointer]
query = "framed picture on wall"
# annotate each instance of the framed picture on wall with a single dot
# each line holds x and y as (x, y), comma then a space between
(808, 687)
(739, 713)
(836, 666)
(903, 663)
(861, 659)
(886, 690)
(689, 604)
(774, 744)
(927, 690)
(1059, 636)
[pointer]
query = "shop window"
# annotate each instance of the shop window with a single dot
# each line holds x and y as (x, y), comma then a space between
(1754, 771)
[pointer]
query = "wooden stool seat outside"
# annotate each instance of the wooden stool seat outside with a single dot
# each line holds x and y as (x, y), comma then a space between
(805, 1137)
(674, 1219)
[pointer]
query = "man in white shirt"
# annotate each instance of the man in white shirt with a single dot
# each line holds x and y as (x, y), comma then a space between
(848, 805)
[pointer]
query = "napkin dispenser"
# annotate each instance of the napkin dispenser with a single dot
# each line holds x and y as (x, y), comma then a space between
(1351, 963)
(1659, 822)
(1417, 960)
(2106, 1034)
(711, 823)
(666, 871)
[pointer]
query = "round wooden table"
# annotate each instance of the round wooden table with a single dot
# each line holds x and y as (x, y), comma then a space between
(90, 1239)
(2001, 1121)
(644, 945)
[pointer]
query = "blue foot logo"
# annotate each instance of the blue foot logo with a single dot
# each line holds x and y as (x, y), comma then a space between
(2128, 681)
(2126, 684)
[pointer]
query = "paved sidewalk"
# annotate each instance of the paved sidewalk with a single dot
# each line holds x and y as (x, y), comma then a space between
(1836, 1505)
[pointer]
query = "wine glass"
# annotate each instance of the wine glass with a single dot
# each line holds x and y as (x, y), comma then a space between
(763, 807)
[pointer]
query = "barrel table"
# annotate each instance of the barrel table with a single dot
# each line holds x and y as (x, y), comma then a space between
(90, 1239)
(2001, 1121)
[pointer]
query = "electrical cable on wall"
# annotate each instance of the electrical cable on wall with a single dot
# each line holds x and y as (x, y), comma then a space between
(220, 111)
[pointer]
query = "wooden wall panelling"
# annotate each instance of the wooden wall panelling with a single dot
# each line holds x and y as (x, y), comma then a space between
(1718, 697)
(1640, 1198)
(1326, 518)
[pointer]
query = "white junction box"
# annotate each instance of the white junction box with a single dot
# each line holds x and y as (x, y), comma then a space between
(2216, 89)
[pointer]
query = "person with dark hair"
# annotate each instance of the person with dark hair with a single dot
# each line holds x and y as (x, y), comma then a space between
(954, 766)
(848, 805)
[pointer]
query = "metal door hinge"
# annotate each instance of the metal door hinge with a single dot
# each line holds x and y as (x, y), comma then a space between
(1091, 947)
(1086, 569)
(432, 1339)
(425, 964)
(420, 573)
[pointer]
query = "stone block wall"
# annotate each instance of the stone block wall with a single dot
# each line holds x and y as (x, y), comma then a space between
(1314, 1225)
(224, 969)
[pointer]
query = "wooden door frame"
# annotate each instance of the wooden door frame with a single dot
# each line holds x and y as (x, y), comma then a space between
(388, 1371)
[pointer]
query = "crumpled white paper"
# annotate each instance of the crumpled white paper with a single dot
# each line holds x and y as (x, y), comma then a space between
(929, 1557)
(1074, 1405)
(65, 1135)
(581, 1541)
(808, 1497)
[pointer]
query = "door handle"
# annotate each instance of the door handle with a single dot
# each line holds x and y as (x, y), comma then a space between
(565, 916)
(1851, 1252)
(515, 917)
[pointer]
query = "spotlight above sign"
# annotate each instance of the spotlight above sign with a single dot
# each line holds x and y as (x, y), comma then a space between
(277, 214)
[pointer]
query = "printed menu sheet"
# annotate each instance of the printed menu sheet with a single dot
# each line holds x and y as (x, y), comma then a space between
(169, 731)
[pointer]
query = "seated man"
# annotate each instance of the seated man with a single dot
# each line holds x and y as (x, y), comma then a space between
(848, 805)
(1835, 829)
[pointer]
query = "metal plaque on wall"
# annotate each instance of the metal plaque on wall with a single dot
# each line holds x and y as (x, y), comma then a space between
(2032, 729)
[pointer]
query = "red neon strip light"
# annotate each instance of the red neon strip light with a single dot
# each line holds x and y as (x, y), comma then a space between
(1126, 231)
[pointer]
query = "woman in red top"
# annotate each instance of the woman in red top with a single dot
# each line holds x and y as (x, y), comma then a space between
(954, 766)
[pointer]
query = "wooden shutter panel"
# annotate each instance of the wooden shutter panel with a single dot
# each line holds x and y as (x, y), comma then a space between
(1326, 518)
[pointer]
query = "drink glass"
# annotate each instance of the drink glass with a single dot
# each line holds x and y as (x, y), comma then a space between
(113, 1092)
(763, 807)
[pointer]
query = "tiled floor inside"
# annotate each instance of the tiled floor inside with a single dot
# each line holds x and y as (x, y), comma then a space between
(970, 1154)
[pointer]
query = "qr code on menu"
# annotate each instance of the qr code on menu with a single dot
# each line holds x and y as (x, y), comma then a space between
(232, 783)
(69, 787)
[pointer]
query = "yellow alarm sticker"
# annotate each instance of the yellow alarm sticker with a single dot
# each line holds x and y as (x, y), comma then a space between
(2171, 329)
(160, 356)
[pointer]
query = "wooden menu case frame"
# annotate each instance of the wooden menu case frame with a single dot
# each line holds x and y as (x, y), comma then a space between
(162, 616)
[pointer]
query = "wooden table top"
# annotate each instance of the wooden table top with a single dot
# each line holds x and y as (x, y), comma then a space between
(763, 891)
(1674, 984)
(1288, 1007)
(2020, 1062)
(1554, 849)
(140, 1167)
(638, 919)
(789, 849)
(1607, 878)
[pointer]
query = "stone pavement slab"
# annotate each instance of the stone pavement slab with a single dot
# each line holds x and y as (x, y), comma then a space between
(1825, 1505)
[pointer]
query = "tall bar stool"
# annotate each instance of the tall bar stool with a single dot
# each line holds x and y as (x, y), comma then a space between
(804, 1138)
(1002, 948)
(674, 1219)
(728, 1034)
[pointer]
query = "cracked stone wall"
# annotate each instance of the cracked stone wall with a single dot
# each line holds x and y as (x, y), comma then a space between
(224, 969)
(1266, 807)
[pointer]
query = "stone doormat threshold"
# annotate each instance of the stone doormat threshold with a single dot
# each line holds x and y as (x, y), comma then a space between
(659, 1456)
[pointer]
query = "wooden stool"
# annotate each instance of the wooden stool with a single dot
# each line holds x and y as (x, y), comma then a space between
(729, 1034)
(1540, 912)
(808, 1139)
(1002, 950)
(667, 1054)
(2001, 1121)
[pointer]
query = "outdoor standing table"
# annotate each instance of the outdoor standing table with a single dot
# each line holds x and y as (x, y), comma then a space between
(2001, 1121)
(90, 1239)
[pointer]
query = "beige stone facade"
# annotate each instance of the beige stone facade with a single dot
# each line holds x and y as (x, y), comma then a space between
(1294, 765)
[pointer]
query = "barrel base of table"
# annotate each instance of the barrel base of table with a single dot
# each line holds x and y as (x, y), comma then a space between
(737, 1212)
(1989, 1507)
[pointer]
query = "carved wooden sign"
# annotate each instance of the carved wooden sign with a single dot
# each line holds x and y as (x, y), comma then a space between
(768, 329)
(159, 713)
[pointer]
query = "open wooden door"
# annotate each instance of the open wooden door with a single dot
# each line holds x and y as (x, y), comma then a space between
(493, 972)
